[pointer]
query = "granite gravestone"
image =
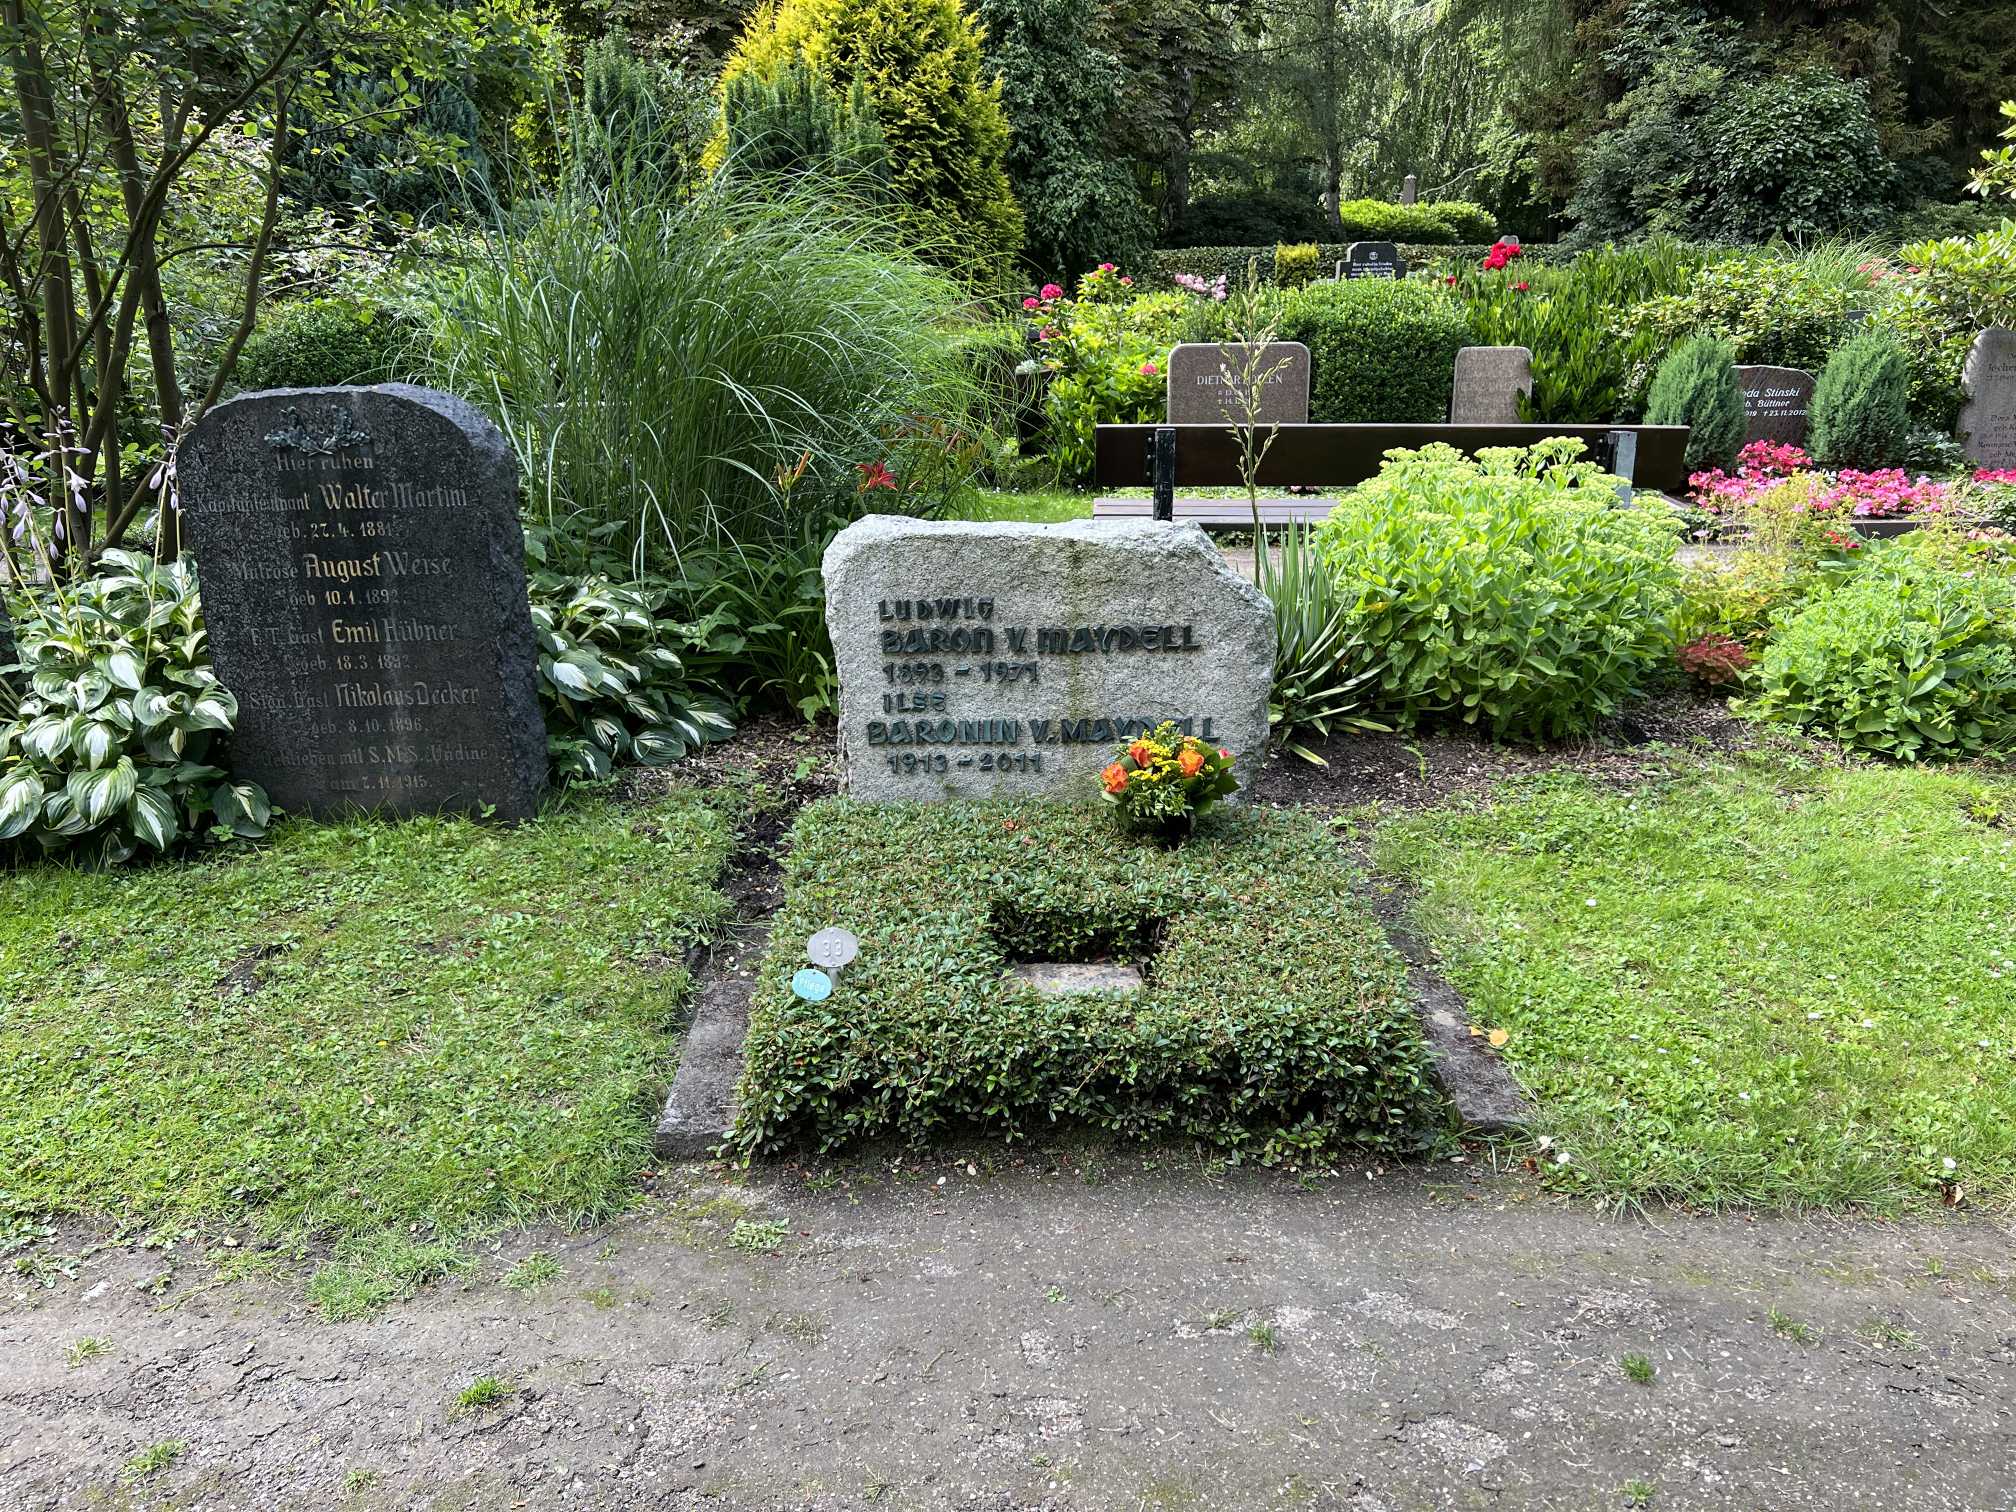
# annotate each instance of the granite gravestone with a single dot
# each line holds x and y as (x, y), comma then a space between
(1367, 259)
(364, 586)
(1410, 189)
(1489, 381)
(1988, 423)
(1204, 383)
(990, 660)
(1777, 403)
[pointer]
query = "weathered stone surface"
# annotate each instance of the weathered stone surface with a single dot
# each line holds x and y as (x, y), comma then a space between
(1372, 259)
(1777, 403)
(1199, 393)
(364, 586)
(1988, 423)
(984, 660)
(1489, 381)
(1068, 978)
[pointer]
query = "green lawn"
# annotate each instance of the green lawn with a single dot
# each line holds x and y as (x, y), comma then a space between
(1043, 505)
(358, 1026)
(1274, 1024)
(1783, 981)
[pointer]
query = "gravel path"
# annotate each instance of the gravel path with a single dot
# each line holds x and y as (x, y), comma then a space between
(1086, 1328)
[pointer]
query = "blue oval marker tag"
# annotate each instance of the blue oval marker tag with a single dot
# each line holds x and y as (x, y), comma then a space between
(812, 986)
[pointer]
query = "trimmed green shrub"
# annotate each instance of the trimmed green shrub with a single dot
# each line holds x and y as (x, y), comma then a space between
(1437, 221)
(919, 62)
(1911, 659)
(1275, 1025)
(1296, 263)
(309, 343)
(1696, 385)
(1264, 216)
(1507, 591)
(1378, 349)
(1862, 405)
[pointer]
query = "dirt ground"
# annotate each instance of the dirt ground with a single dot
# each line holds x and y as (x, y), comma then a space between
(1073, 1329)
(1086, 1328)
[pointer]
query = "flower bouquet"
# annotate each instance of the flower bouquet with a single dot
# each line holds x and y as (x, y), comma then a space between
(1164, 779)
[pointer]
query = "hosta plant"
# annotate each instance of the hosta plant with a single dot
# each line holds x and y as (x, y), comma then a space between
(612, 683)
(110, 748)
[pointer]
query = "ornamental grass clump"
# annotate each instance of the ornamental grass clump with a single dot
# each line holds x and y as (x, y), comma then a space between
(1510, 591)
(1163, 780)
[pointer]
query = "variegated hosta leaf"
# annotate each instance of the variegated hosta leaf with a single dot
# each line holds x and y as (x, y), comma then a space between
(153, 817)
(21, 793)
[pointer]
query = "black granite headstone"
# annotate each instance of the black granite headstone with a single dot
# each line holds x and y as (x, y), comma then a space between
(1366, 259)
(363, 581)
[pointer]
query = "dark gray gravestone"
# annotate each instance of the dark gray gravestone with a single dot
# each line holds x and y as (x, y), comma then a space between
(1372, 260)
(1988, 423)
(1200, 392)
(1777, 403)
(363, 582)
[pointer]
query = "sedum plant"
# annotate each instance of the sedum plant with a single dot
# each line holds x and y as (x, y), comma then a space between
(613, 686)
(1509, 592)
(110, 748)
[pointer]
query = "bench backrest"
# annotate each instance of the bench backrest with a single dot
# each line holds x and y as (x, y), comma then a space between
(1334, 456)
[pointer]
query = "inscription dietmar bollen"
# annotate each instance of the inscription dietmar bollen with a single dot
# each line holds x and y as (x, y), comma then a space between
(1205, 383)
(363, 583)
(983, 660)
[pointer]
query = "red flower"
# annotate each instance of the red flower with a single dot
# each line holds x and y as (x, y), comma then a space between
(1521, 287)
(874, 475)
(1031, 302)
(1450, 279)
(1051, 291)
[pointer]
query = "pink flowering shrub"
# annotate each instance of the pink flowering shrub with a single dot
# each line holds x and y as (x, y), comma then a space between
(1886, 494)
(1213, 289)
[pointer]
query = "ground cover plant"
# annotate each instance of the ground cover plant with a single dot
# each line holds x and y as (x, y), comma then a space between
(1782, 980)
(1274, 1026)
(356, 1028)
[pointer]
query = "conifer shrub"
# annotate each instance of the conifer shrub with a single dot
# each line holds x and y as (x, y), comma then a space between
(1862, 404)
(1696, 385)
(918, 63)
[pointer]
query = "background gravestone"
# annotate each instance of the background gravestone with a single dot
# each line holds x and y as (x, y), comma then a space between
(1368, 259)
(1988, 423)
(363, 579)
(992, 660)
(1489, 381)
(1198, 394)
(1777, 403)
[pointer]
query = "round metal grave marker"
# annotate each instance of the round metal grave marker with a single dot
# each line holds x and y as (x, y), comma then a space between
(813, 986)
(832, 948)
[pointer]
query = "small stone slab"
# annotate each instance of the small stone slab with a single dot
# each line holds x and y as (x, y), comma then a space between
(1204, 378)
(1988, 423)
(1777, 403)
(363, 578)
(982, 660)
(1372, 259)
(1066, 978)
(1489, 383)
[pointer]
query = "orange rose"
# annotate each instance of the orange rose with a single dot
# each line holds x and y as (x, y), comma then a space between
(1142, 752)
(1115, 777)
(1190, 763)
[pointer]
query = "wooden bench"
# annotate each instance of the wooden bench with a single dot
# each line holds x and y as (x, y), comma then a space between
(1167, 457)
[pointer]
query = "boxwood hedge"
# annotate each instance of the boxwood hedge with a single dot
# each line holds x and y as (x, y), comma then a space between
(1275, 1024)
(1379, 350)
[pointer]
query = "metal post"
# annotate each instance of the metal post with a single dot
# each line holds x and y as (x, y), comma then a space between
(1624, 459)
(1165, 472)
